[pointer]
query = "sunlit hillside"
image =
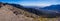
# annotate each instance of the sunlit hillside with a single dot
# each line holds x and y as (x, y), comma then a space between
(12, 13)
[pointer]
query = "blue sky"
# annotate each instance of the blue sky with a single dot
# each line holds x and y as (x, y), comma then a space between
(33, 2)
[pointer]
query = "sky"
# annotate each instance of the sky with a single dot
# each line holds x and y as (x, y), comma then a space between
(33, 2)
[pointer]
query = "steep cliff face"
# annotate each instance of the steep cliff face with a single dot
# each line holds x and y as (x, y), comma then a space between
(11, 13)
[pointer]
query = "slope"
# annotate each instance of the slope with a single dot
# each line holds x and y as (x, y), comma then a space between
(11, 13)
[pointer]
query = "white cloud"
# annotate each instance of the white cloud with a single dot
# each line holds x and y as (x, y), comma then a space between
(35, 4)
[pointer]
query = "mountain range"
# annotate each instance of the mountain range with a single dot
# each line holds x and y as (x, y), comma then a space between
(49, 11)
(52, 11)
(53, 7)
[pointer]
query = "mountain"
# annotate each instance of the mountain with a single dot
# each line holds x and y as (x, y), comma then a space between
(50, 11)
(53, 7)
(53, 10)
(44, 11)
(14, 12)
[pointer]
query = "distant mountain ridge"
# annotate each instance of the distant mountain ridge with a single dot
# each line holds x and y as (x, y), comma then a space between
(52, 7)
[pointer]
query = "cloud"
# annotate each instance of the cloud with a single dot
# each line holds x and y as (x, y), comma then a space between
(33, 2)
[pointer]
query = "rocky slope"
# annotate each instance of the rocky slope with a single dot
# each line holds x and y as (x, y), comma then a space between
(11, 13)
